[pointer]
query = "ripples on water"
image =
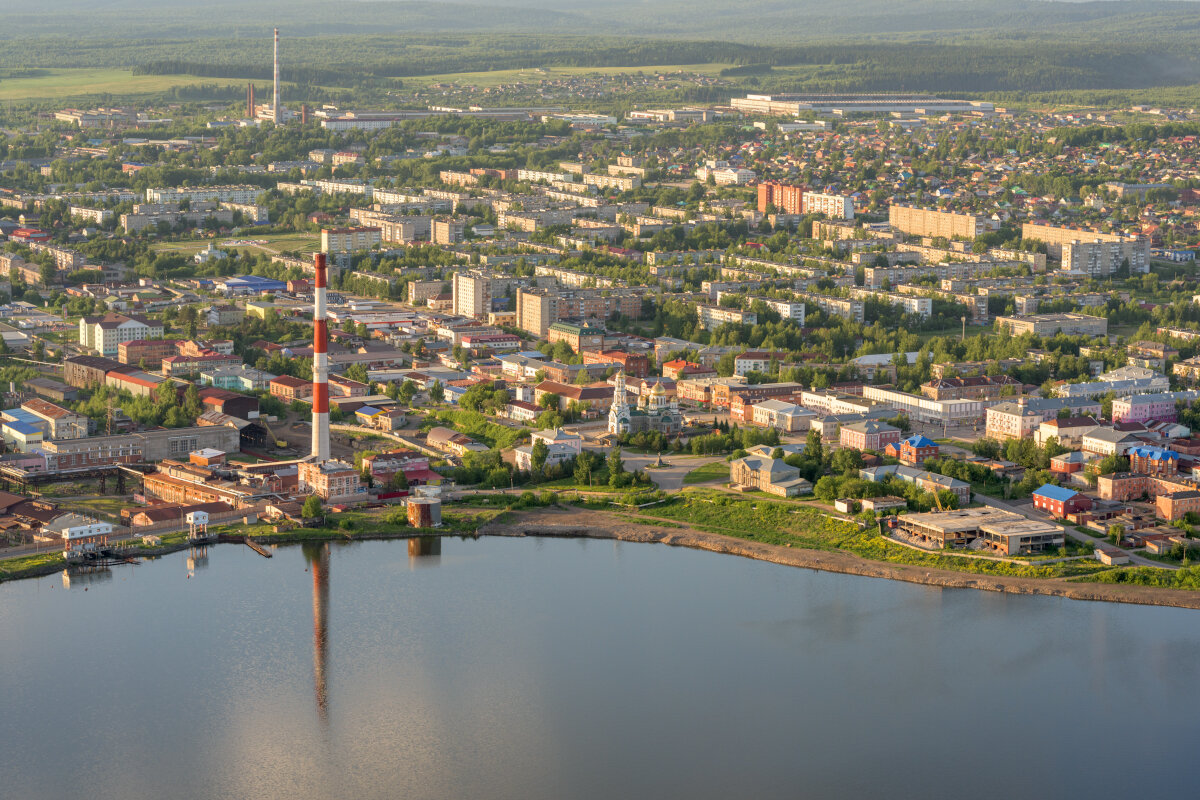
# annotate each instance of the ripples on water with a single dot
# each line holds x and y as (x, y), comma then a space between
(577, 669)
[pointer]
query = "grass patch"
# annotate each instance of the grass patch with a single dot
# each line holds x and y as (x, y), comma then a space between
(717, 470)
(1186, 578)
(13, 568)
(781, 523)
(271, 243)
(58, 84)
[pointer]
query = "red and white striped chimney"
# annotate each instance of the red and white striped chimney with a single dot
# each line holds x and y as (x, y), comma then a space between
(320, 403)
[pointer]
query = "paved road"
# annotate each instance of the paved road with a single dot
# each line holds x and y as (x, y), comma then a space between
(1094, 541)
(669, 478)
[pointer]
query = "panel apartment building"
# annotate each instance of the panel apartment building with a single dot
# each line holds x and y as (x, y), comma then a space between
(931, 222)
(472, 294)
(538, 309)
(1091, 252)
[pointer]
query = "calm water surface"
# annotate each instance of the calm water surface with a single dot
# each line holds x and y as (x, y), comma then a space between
(573, 669)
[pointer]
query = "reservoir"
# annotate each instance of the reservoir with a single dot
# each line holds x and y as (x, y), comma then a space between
(548, 668)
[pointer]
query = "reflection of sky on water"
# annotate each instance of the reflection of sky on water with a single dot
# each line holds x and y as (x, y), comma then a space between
(543, 668)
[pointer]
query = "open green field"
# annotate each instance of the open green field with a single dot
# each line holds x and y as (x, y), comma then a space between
(498, 77)
(272, 244)
(61, 83)
(717, 470)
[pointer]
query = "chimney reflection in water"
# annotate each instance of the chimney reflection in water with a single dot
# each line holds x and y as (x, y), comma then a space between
(317, 556)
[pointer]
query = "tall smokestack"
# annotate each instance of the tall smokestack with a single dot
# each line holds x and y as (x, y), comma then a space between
(250, 101)
(320, 406)
(275, 105)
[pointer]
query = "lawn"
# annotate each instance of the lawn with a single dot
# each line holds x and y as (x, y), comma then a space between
(16, 567)
(62, 83)
(780, 523)
(717, 470)
(268, 243)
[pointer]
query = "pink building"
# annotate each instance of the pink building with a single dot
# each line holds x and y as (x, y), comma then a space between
(1144, 408)
(868, 435)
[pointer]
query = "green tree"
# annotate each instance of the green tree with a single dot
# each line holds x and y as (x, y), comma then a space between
(538, 457)
(437, 392)
(312, 507)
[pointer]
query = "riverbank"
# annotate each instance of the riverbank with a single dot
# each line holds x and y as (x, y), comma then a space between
(600, 525)
(558, 522)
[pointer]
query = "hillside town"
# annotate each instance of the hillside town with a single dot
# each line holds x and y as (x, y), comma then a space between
(975, 329)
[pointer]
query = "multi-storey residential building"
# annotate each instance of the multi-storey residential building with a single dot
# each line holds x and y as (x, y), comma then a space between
(1019, 420)
(397, 228)
(919, 306)
(447, 231)
(1051, 324)
(1091, 252)
(64, 257)
(931, 222)
(786, 199)
(538, 309)
(104, 334)
(472, 293)
(756, 361)
(420, 292)
(711, 317)
(838, 306)
(834, 206)
(147, 215)
(1148, 408)
(349, 240)
(622, 183)
(223, 194)
(787, 309)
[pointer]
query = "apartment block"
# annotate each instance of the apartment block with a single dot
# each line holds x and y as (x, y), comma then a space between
(931, 222)
(786, 199)
(350, 240)
(834, 206)
(711, 317)
(472, 293)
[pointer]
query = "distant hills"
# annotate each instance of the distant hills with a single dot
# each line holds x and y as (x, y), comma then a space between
(749, 21)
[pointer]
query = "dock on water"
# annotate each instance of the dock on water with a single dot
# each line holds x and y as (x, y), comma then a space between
(258, 548)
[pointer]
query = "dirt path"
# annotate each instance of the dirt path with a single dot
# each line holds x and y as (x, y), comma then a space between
(603, 525)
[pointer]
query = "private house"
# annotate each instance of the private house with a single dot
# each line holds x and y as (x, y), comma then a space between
(451, 441)
(1060, 502)
(912, 451)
